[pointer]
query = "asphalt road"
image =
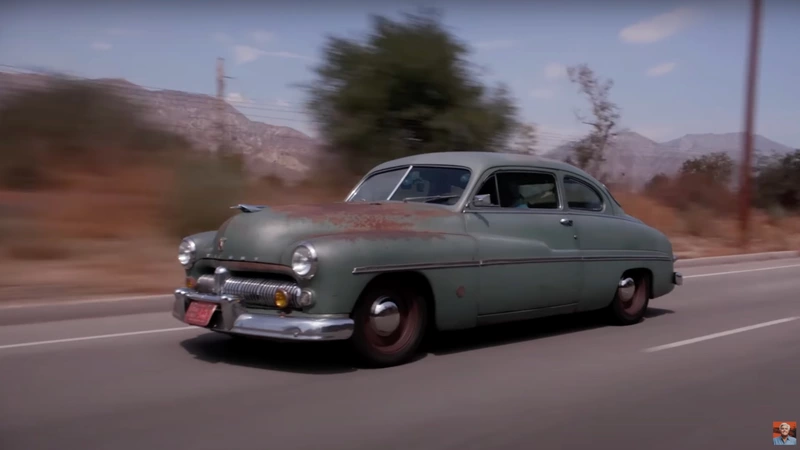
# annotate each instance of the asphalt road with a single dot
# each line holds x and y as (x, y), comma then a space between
(712, 366)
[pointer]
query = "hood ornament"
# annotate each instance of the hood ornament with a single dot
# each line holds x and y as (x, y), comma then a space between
(221, 243)
(248, 208)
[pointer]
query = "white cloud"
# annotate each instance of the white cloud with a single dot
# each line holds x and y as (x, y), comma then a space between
(262, 37)
(245, 54)
(497, 44)
(282, 103)
(542, 93)
(555, 71)
(101, 46)
(657, 28)
(235, 97)
(661, 69)
(221, 37)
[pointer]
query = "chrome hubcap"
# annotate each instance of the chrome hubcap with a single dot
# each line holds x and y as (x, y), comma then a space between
(626, 289)
(384, 316)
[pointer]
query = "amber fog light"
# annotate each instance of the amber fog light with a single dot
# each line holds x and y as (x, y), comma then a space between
(281, 299)
(191, 283)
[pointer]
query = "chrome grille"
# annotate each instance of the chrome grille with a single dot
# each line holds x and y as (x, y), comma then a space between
(252, 291)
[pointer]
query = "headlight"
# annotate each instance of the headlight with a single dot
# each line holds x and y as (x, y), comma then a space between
(304, 261)
(186, 252)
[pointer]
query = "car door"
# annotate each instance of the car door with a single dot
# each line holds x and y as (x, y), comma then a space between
(526, 243)
(604, 239)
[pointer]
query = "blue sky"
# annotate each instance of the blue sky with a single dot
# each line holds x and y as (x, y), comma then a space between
(678, 66)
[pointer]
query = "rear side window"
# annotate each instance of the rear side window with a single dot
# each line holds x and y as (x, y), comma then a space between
(581, 196)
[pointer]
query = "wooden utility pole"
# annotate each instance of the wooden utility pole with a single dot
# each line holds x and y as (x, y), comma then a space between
(749, 120)
(220, 104)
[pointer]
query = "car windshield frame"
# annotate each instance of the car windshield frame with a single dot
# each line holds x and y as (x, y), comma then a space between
(406, 169)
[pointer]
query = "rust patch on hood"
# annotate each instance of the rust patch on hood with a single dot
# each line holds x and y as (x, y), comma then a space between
(365, 216)
(354, 235)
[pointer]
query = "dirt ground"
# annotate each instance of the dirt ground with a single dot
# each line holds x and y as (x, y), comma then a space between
(102, 237)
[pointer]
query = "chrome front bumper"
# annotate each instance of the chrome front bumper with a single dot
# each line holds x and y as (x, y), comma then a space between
(235, 319)
(677, 278)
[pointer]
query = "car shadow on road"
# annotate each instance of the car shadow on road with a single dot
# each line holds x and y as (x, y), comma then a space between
(528, 330)
(317, 358)
(325, 358)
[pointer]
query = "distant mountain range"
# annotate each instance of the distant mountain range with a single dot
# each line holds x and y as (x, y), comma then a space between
(268, 149)
(635, 159)
(288, 153)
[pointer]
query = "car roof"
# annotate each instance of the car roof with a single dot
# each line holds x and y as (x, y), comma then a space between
(478, 162)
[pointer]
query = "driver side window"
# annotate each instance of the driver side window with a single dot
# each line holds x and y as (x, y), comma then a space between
(524, 190)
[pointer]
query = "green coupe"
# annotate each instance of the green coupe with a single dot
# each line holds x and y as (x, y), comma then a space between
(434, 241)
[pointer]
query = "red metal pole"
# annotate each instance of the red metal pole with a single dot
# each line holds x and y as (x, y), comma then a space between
(749, 119)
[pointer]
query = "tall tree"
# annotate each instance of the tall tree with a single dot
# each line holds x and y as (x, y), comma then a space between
(406, 88)
(589, 152)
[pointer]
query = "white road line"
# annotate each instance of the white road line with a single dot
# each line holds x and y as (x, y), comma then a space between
(718, 335)
(102, 336)
(739, 271)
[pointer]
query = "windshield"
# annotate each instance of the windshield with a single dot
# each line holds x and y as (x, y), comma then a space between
(441, 185)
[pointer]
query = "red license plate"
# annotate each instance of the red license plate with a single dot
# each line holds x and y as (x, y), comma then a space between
(199, 313)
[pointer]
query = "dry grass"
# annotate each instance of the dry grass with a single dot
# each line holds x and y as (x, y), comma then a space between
(696, 231)
(105, 235)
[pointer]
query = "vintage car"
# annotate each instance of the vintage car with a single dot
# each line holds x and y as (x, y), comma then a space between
(437, 241)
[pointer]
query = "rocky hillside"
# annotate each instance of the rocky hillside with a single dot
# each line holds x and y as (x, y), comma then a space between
(268, 149)
(635, 159)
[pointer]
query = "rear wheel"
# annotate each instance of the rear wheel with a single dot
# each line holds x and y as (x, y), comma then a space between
(390, 321)
(631, 299)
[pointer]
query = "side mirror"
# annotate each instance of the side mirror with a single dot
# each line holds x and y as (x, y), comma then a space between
(482, 200)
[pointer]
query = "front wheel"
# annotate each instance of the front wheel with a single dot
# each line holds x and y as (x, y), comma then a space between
(631, 299)
(390, 322)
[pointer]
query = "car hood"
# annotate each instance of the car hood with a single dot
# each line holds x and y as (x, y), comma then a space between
(267, 235)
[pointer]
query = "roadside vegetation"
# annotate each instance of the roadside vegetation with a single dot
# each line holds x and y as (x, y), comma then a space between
(94, 198)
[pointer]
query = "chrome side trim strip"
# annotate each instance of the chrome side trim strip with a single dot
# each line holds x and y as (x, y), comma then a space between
(415, 266)
(501, 262)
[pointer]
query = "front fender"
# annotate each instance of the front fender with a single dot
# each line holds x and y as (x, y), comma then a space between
(204, 243)
(448, 261)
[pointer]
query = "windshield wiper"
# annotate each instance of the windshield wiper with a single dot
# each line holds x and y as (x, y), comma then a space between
(428, 198)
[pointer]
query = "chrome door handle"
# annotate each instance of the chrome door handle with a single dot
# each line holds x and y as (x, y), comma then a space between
(566, 222)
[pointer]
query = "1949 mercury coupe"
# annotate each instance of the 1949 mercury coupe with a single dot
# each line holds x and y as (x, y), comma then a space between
(434, 241)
